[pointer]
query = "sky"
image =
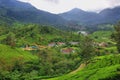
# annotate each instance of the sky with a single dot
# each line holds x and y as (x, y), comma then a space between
(60, 6)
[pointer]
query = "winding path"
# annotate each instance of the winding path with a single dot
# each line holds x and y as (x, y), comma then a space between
(79, 68)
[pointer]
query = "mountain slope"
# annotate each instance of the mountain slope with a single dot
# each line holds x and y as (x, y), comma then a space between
(111, 15)
(9, 56)
(80, 16)
(26, 13)
(91, 18)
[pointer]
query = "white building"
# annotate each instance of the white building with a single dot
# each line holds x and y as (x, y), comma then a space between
(83, 33)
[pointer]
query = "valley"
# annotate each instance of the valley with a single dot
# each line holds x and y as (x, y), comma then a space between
(75, 45)
(46, 52)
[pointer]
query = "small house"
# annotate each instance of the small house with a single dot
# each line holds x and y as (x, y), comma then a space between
(74, 43)
(52, 44)
(103, 44)
(60, 43)
(67, 50)
(83, 33)
(29, 48)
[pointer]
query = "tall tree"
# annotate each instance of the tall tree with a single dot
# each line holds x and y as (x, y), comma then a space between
(10, 39)
(87, 48)
(116, 35)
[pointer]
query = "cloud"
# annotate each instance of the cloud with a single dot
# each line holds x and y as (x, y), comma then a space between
(113, 3)
(54, 1)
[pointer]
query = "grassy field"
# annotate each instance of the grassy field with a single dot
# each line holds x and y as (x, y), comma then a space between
(10, 56)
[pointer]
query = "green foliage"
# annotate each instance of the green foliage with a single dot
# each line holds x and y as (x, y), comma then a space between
(56, 63)
(99, 68)
(50, 61)
(117, 35)
(101, 36)
(34, 34)
(10, 39)
(18, 64)
(87, 48)
(9, 56)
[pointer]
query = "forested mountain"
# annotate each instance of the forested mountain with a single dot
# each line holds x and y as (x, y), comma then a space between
(24, 12)
(80, 16)
(14, 10)
(91, 18)
(111, 15)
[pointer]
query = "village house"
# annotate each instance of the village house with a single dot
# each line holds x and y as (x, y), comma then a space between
(74, 43)
(103, 44)
(52, 44)
(67, 50)
(30, 48)
(83, 33)
(60, 43)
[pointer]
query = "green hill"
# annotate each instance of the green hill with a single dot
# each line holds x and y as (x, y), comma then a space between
(102, 36)
(100, 68)
(9, 57)
(43, 61)
(35, 34)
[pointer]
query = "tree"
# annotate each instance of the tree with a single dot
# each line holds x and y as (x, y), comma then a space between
(116, 35)
(87, 48)
(10, 39)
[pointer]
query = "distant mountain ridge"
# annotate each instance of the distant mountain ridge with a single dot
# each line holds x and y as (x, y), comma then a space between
(105, 16)
(26, 13)
(111, 15)
(14, 10)
(77, 14)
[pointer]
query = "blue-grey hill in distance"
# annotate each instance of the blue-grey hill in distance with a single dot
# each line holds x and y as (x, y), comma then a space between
(26, 13)
(105, 16)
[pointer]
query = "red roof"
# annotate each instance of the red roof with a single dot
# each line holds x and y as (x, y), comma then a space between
(68, 50)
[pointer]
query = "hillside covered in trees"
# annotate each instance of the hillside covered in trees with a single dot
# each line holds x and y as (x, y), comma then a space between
(32, 51)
